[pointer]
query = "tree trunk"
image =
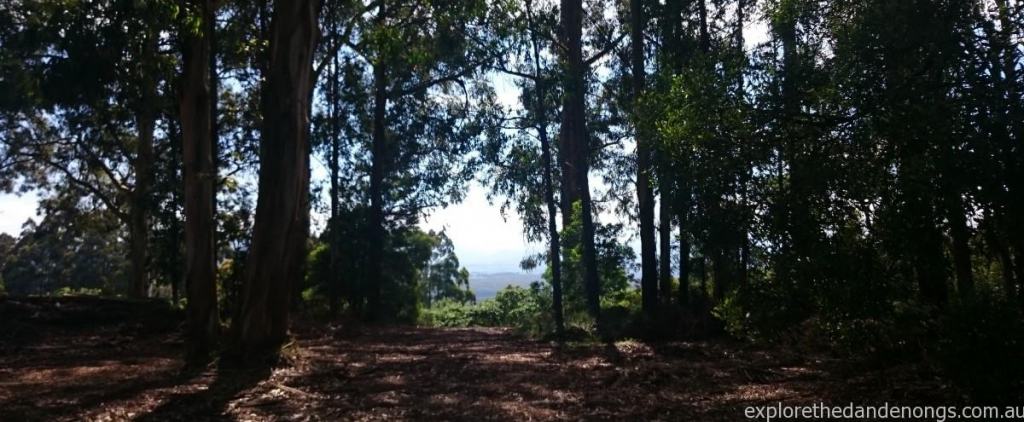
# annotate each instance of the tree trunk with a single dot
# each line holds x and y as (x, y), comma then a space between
(684, 262)
(1015, 116)
(665, 239)
(705, 39)
(929, 260)
(138, 225)
(1018, 258)
(673, 45)
(1003, 252)
(381, 158)
(333, 288)
(703, 277)
(203, 323)
(281, 210)
(644, 192)
(961, 248)
(744, 264)
(555, 250)
(214, 78)
(576, 139)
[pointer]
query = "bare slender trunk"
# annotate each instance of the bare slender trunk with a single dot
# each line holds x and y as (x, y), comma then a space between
(684, 262)
(281, 209)
(576, 139)
(665, 238)
(138, 213)
(199, 175)
(996, 244)
(644, 192)
(554, 250)
(378, 169)
(961, 249)
(333, 287)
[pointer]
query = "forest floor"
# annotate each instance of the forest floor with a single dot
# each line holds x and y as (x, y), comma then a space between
(93, 359)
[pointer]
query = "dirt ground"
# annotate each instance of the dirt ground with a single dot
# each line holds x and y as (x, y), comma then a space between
(89, 359)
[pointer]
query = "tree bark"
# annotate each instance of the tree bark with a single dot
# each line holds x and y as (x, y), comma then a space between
(196, 102)
(996, 244)
(1015, 116)
(575, 138)
(665, 238)
(214, 78)
(961, 248)
(380, 160)
(333, 288)
(138, 213)
(702, 14)
(554, 240)
(644, 192)
(282, 205)
(684, 263)
(674, 56)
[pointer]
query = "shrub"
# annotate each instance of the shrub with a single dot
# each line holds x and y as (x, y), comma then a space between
(513, 306)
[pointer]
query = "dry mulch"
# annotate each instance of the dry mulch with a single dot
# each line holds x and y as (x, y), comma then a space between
(90, 359)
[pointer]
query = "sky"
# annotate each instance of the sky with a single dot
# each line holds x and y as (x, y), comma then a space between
(484, 240)
(15, 210)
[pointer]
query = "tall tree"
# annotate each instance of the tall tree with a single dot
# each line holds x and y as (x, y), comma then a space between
(279, 231)
(196, 114)
(644, 191)
(142, 163)
(515, 169)
(417, 54)
(88, 81)
(554, 241)
(575, 148)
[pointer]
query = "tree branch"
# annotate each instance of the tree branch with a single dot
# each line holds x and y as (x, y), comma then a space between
(607, 49)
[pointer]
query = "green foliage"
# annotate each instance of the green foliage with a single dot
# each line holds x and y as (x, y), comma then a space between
(443, 278)
(81, 291)
(447, 313)
(614, 259)
(528, 310)
(512, 306)
(229, 285)
(421, 268)
(69, 249)
(621, 313)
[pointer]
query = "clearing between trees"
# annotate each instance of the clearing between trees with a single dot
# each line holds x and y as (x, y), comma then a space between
(94, 359)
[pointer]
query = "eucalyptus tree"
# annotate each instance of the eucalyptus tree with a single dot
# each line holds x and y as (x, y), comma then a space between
(200, 175)
(85, 106)
(422, 63)
(519, 166)
(574, 146)
(442, 277)
(280, 229)
(644, 189)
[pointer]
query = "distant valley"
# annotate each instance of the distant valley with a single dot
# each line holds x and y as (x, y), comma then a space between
(486, 285)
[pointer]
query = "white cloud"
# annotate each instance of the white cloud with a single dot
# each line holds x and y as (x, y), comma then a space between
(484, 240)
(15, 210)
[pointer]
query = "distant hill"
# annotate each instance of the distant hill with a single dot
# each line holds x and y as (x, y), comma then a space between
(486, 285)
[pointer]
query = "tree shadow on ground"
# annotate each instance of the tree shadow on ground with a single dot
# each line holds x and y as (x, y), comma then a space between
(210, 403)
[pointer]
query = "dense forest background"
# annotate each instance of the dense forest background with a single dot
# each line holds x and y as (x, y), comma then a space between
(853, 182)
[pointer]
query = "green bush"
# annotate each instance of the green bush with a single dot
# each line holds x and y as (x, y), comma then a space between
(81, 291)
(447, 313)
(513, 306)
